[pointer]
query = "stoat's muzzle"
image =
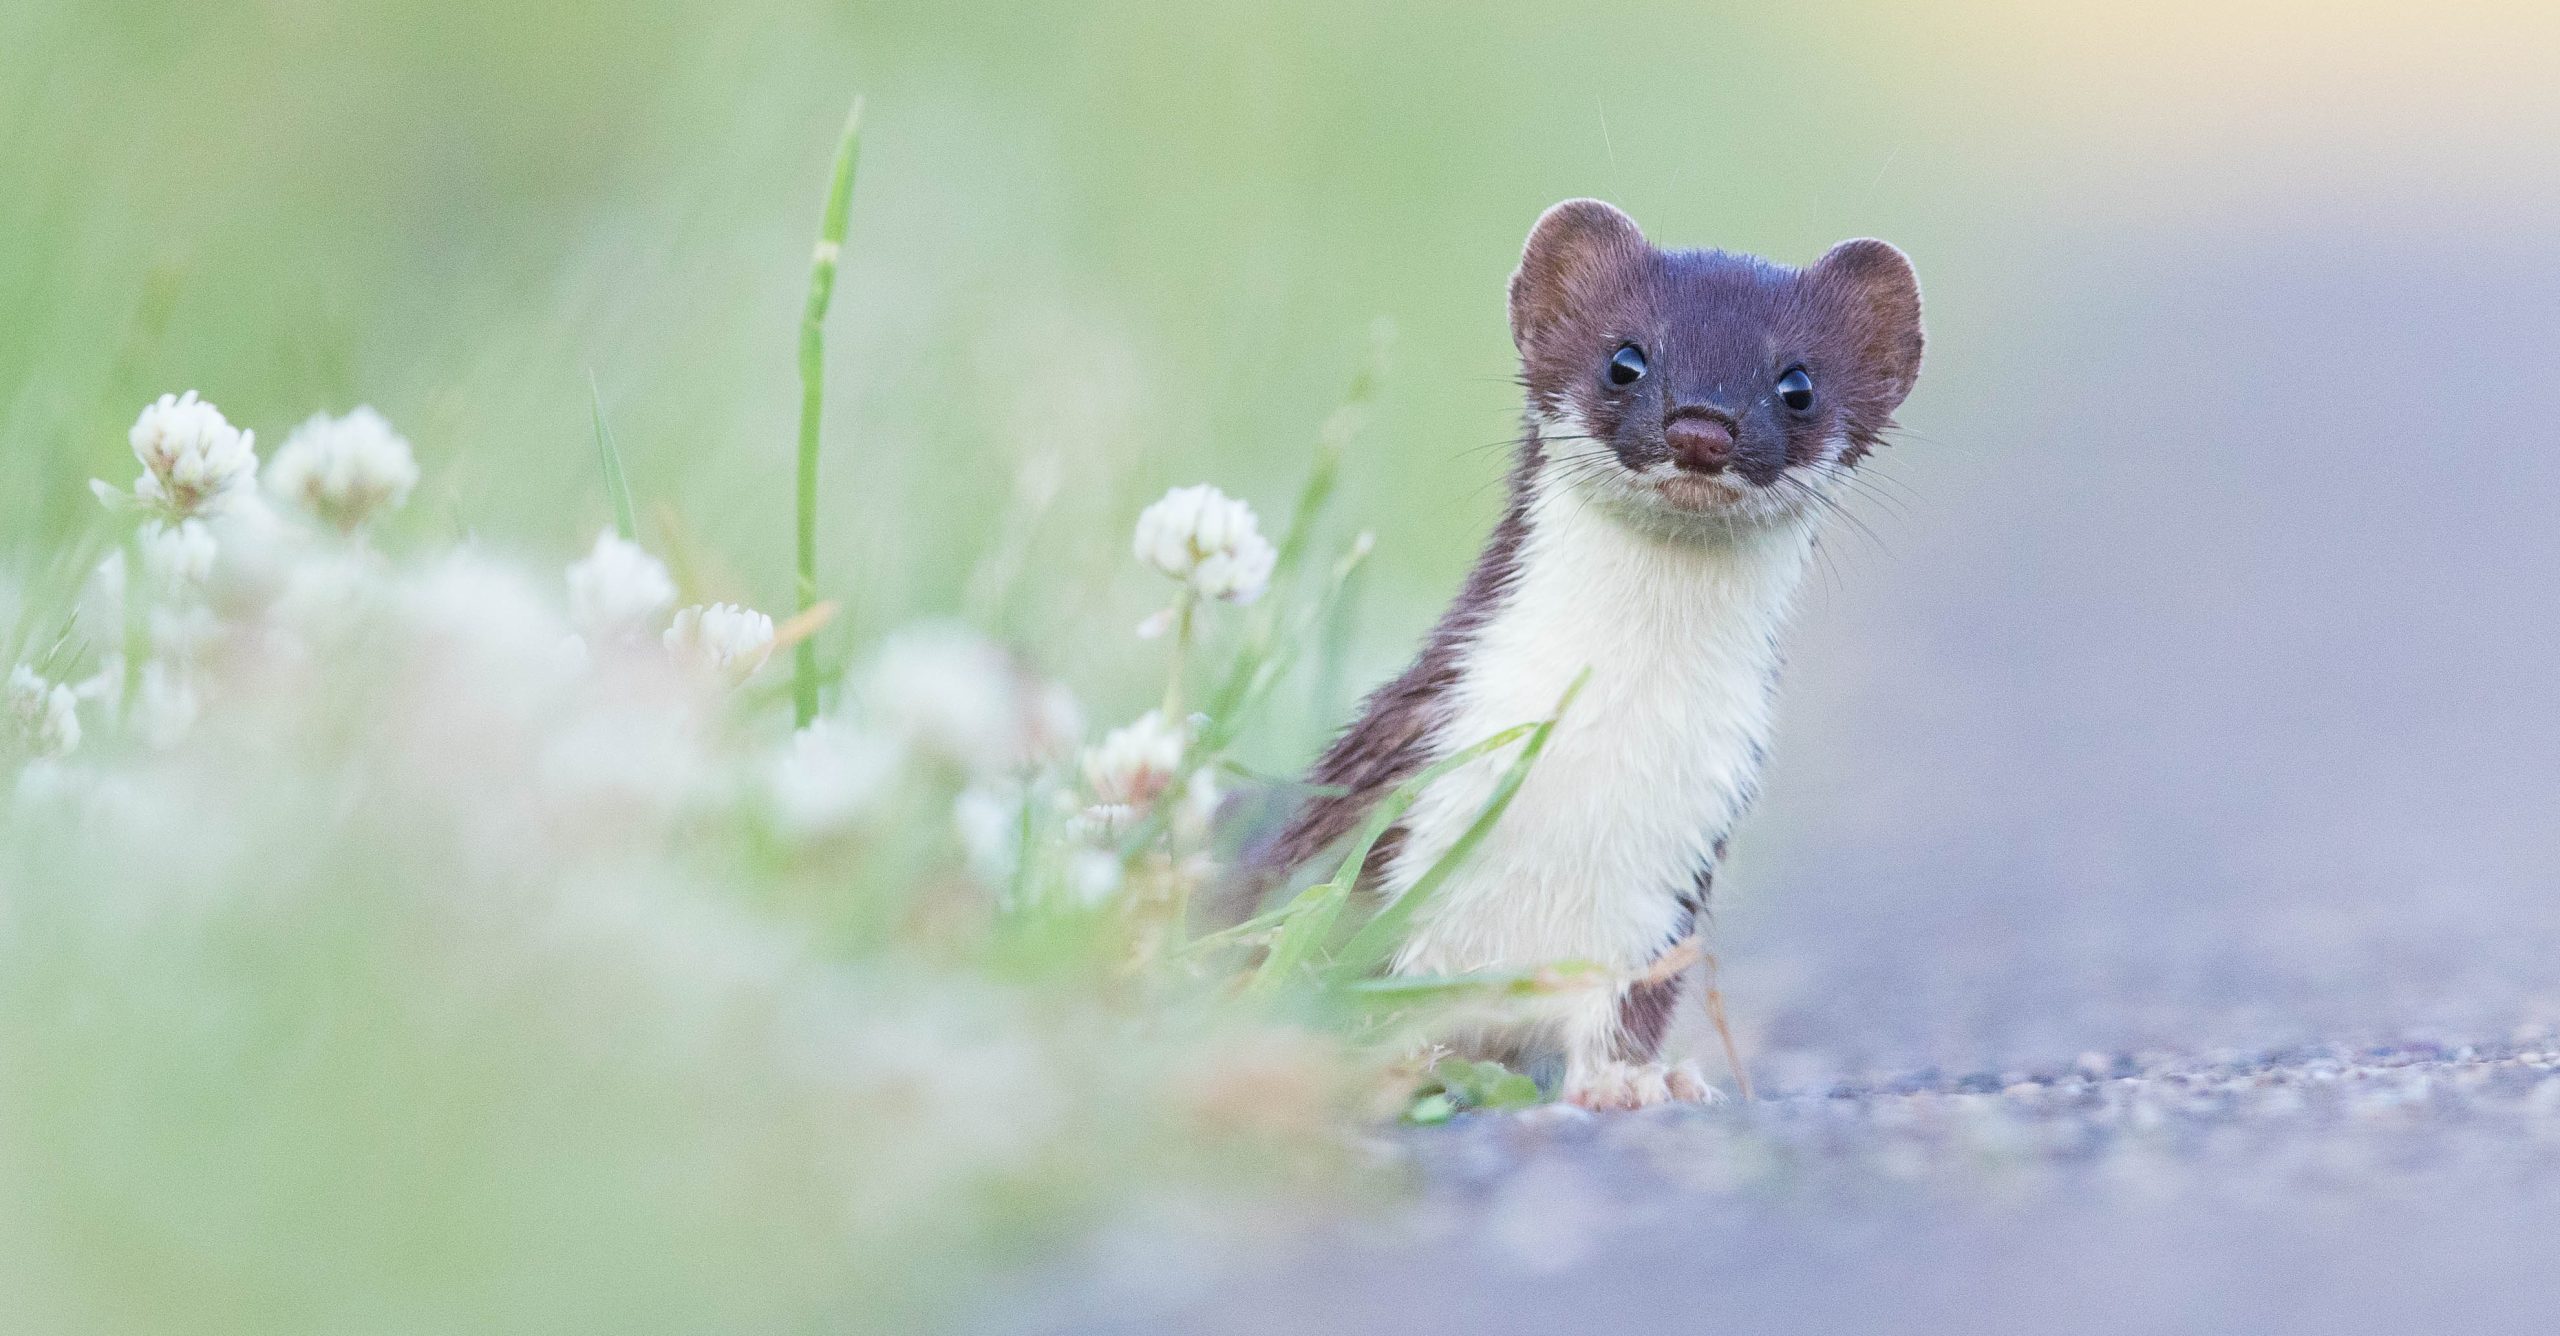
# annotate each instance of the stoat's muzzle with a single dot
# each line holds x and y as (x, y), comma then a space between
(1707, 440)
(1700, 444)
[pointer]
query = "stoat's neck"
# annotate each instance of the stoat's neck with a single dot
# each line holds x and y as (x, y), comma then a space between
(1651, 767)
(1592, 583)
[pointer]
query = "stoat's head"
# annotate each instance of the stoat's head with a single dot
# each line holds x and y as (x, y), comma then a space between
(1680, 384)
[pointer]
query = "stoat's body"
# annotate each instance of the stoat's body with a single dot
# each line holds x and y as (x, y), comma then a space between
(1691, 418)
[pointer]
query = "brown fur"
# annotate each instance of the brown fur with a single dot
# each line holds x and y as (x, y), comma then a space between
(1391, 739)
(1644, 1017)
(1644, 1014)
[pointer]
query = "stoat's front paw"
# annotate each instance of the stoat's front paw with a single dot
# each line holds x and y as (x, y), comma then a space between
(1639, 1085)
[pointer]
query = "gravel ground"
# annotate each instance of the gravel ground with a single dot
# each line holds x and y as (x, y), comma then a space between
(2411, 1188)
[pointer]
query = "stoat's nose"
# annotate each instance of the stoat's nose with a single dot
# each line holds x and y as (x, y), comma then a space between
(1700, 445)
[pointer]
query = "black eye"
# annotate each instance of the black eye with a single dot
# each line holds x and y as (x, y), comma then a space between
(1795, 389)
(1627, 367)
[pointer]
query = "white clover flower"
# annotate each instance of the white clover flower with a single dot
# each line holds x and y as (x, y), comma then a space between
(946, 691)
(632, 748)
(473, 626)
(829, 776)
(184, 628)
(988, 819)
(1104, 822)
(100, 610)
(722, 638)
(167, 706)
(323, 602)
(1135, 762)
(618, 589)
(1130, 772)
(194, 462)
(1052, 721)
(1209, 541)
(343, 471)
(179, 562)
(258, 549)
(46, 714)
(1199, 807)
(178, 554)
(104, 687)
(1093, 875)
(45, 783)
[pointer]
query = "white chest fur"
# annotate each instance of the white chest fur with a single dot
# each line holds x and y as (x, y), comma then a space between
(1654, 762)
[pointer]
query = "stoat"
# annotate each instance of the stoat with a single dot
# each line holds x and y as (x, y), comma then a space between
(1692, 417)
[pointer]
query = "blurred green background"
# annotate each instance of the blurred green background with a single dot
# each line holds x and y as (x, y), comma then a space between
(2293, 248)
(1151, 238)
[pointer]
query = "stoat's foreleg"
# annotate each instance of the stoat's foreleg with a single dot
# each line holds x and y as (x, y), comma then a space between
(1613, 1049)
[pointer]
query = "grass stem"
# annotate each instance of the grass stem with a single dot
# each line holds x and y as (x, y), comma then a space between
(617, 486)
(1183, 606)
(813, 347)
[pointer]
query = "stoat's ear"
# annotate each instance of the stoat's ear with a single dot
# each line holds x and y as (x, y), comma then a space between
(1573, 243)
(1873, 297)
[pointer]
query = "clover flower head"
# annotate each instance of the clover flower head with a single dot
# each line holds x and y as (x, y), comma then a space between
(1134, 763)
(473, 625)
(1193, 816)
(618, 589)
(1209, 541)
(1130, 774)
(829, 776)
(178, 554)
(179, 561)
(46, 715)
(194, 461)
(323, 600)
(168, 705)
(723, 639)
(343, 471)
(1093, 876)
(945, 690)
(988, 819)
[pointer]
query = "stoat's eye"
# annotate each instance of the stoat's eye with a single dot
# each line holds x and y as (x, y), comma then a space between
(1627, 366)
(1795, 389)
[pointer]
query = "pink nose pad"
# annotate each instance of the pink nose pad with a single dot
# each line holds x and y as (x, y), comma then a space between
(1700, 445)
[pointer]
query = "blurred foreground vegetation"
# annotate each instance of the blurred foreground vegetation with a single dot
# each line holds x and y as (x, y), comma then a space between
(400, 987)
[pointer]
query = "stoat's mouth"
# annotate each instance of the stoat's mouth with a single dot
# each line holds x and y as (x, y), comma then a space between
(1674, 501)
(1699, 493)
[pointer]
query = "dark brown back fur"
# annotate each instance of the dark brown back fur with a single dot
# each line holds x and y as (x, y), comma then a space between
(1391, 739)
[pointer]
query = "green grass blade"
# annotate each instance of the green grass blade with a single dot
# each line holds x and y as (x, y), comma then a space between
(137, 624)
(1398, 990)
(1333, 441)
(617, 487)
(1239, 934)
(1307, 921)
(1404, 990)
(1326, 696)
(1261, 668)
(1308, 918)
(1379, 937)
(813, 376)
